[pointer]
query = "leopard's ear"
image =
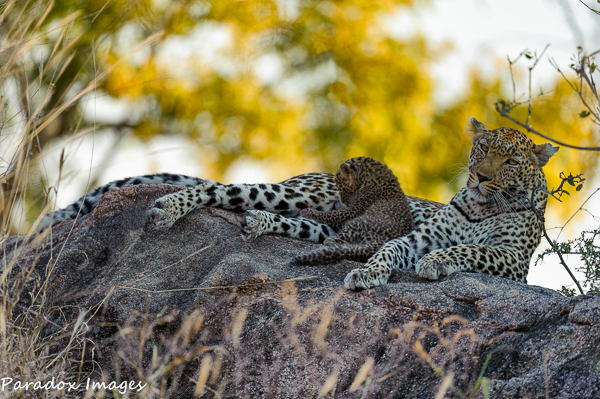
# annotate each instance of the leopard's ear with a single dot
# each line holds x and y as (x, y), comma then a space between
(478, 128)
(543, 152)
(345, 168)
(344, 171)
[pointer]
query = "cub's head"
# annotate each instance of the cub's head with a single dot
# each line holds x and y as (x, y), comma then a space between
(505, 159)
(364, 173)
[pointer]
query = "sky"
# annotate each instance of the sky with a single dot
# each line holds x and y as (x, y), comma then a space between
(481, 34)
(484, 33)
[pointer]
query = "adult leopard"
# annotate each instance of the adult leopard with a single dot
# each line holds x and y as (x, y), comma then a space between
(489, 226)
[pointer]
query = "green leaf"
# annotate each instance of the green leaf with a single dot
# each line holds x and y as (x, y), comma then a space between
(579, 187)
(584, 114)
(568, 292)
(593, 67)
(528, 56)
(566, 192)
(570, 181)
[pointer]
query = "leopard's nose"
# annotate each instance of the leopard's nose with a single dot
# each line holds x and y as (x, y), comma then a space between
(482, 178)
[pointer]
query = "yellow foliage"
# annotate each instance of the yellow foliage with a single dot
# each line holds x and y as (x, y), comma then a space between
(340, 87)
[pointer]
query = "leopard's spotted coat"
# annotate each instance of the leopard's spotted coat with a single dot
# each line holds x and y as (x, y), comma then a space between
(489, 226)
(374, 211)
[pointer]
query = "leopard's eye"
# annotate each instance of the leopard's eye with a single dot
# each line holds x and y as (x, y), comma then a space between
(512, 162)
(485, 147)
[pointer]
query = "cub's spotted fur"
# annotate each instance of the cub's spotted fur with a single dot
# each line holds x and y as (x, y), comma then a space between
(374, 211)
(488, 226)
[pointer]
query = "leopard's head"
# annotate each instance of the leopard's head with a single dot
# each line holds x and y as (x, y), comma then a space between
(364, 173)
(505, 160)
(348, 177)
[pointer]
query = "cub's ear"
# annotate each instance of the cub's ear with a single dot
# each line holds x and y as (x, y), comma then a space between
(345, 169)
(543, 152)
(478, 128)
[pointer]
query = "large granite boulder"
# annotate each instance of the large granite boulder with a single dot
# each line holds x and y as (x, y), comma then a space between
(197, 310)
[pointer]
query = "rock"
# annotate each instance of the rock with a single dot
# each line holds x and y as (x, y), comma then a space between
(201, 310)
(586, 311)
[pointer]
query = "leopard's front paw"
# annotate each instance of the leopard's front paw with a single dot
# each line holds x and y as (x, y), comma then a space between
(253, 225)
(164, 213)
(360, 279)
(431, 268)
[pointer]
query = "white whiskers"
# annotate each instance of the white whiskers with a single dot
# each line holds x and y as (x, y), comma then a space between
(461, 175)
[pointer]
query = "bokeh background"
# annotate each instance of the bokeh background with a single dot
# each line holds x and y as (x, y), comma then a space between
(253, 90)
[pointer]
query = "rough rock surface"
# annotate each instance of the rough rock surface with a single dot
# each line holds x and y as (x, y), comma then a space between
(271, 331)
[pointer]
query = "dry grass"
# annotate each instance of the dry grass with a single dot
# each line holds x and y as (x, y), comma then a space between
(316, 349)
(39, 341)
(276, 345)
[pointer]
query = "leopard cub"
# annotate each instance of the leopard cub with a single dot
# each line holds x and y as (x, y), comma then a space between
(374, 211)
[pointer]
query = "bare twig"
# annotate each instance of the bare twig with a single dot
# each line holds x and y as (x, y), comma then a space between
(219, 287)
(552, 243)
(591, 9)
(512, 76)
(583, 67)
(576, 212)
(505, 114)
(572, 180)
(579, 68)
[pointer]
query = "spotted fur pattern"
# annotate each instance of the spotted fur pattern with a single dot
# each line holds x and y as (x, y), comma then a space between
(374, 211)
(88, 202)
(315, 190)
(259, 223)
(489, 226)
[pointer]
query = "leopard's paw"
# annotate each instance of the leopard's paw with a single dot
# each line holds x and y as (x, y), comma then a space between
(253, 225)
(358, 279)
(431, 268)
(164, 213)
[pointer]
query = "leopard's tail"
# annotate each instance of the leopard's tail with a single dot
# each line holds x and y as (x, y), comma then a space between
(88, 202)
(358, 252)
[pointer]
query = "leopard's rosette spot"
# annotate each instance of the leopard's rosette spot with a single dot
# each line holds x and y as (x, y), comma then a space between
(331, 241)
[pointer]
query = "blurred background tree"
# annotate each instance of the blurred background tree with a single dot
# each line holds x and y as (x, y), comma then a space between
(296, 85)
